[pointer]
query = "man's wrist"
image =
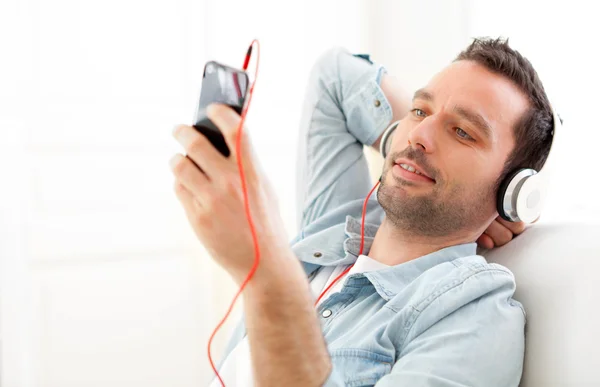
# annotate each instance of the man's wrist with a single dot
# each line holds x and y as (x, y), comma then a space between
(276, 270)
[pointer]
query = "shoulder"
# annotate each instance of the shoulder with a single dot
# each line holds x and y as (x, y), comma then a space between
(469, 288)
(466, 279)
(468, 316)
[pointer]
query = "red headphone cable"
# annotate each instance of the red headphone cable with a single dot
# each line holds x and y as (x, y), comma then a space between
(249, 216)
(362, 245)
(246, 206)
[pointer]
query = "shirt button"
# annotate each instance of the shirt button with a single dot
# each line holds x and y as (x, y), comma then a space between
(317, 255)
(377, 103)
(326, 313)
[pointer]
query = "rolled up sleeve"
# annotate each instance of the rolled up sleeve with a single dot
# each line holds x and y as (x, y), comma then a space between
(344, 109)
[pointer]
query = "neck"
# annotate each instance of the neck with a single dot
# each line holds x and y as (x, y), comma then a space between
(393, 246)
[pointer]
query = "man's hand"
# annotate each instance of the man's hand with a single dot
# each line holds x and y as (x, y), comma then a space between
(499, 233)
(209, 187)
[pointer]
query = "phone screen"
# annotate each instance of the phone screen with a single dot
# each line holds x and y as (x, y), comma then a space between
(220, 84)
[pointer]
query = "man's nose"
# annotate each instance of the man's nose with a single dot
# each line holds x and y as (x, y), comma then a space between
(424, 134)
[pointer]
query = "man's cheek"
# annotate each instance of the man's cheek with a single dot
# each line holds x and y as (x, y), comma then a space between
(452, 187)
(400, 142)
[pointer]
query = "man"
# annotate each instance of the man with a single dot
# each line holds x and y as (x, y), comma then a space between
(419, 307)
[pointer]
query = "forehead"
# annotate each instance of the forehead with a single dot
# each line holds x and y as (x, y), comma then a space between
(469, 85)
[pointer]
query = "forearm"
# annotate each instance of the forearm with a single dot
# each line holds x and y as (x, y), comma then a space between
(285, 338)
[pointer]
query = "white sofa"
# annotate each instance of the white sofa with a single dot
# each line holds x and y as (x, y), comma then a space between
(557, 268)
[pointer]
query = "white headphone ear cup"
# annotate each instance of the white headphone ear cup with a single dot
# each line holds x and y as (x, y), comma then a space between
(386, 139)
(508, 192)
(530, 198)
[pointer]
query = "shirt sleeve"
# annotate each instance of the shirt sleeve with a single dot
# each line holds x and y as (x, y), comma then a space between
(344, 109)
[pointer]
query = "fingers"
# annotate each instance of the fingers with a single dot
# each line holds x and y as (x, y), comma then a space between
(194, 211)
(515, 227)
(499, 234)
(485, 241)
(185, 197)
(199, 149)
(228, 121)
(189, 176)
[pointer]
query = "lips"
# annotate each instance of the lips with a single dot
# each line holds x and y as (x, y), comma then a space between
(413, 167)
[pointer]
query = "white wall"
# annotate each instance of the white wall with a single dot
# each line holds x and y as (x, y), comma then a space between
(99, 280)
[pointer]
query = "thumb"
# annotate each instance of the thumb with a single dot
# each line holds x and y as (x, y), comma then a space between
(228, 122)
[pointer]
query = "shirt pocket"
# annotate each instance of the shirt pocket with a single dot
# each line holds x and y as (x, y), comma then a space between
(360, 367)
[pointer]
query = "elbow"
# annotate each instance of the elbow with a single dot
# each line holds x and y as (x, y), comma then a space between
(325, 70)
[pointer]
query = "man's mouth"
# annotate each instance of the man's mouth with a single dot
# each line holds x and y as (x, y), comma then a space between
(409, 169)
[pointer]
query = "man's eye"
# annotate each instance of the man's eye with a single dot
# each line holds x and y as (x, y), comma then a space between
(419, 113)
(464, 135)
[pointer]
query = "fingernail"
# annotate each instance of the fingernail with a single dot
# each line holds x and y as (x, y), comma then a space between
(174, 160)
(185, 135)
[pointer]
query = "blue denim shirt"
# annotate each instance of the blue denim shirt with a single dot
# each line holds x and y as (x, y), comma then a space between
(446, 319)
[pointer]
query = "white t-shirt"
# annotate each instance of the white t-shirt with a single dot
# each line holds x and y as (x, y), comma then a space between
(236, 371)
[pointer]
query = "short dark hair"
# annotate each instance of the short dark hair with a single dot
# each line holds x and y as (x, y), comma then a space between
(533, 131)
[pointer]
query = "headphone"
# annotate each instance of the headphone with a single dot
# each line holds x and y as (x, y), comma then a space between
(521, 194)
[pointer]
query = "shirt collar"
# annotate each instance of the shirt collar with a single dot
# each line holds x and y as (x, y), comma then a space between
(390, 281)
(387, 282)
(334, 247)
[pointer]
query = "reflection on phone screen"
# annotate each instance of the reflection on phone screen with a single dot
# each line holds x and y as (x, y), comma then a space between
(223, 85)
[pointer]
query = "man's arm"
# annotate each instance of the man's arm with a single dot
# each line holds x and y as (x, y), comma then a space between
(344, 109)
(285, 337)
(286, 344)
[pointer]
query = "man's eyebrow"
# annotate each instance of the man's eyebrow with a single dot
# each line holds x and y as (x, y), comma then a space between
(475, 119)
(423, 94)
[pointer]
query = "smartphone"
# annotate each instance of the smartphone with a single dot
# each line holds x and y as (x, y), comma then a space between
(220, 84)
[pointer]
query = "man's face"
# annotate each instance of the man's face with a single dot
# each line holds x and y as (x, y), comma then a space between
(458, 135)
